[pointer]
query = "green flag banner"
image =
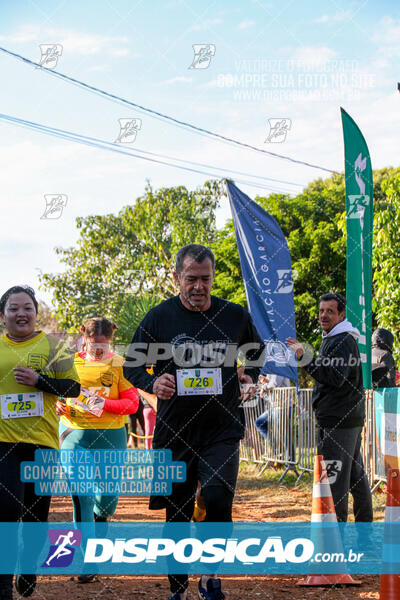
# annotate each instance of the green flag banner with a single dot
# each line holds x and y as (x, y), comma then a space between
(359, 221)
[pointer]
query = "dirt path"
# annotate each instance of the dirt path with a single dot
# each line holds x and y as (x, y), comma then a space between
(256, 500)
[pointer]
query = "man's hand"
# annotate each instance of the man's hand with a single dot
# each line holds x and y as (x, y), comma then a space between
(164, 386)
(262, 379)
(26, 376)
(262, 384)
(247, 388)
(296, 346)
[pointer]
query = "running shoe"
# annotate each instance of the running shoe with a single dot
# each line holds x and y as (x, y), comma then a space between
(85, 578)
(6, 592)
(213, 591)
(177, 597)
(25, 585)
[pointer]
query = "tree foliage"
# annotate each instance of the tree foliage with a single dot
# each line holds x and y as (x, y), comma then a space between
(46, 320)
(130, 252)
(314, 225)
(386, 259)
(132, 312)
(123, 262)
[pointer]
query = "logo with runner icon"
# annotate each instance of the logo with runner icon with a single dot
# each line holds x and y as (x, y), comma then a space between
(36, 361)
(285, 281)
(62, 547)
(106, 379)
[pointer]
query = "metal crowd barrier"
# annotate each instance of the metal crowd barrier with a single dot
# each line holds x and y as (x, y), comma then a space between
(291, 438)
(372, 456)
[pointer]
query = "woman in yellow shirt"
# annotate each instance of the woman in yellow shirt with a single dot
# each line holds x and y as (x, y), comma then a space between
(35, 368)
(105, 389)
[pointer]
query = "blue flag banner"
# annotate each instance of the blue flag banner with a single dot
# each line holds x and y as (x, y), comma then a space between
(267, 273)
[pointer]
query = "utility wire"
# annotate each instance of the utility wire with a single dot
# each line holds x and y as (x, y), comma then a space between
(157, 114)
(112, 147)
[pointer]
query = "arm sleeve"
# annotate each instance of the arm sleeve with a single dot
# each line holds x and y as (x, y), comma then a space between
(59, 376)
(254, 356)
(126, 404)
(136, 359)
(336, 370)
(58, 387)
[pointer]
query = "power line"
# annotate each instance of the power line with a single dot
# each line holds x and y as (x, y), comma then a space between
(158, 114)
(112, 147)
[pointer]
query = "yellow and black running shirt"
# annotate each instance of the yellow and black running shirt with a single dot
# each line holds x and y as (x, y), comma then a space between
(102, 377)
(50, 356)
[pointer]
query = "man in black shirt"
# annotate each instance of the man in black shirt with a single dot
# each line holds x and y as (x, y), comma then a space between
(193, 341)
(339, 405)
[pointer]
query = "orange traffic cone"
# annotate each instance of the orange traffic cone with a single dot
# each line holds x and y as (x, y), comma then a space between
(390, 583)
(323, 511)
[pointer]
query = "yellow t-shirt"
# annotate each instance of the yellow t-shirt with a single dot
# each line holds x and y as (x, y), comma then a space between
(50, 356)
(104, 378)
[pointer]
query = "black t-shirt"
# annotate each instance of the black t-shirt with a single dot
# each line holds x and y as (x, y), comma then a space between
(201, 339)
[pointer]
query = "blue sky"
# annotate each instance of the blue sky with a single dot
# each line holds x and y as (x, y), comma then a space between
(297, 60)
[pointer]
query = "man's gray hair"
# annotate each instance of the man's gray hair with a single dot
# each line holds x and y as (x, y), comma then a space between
(195, 251)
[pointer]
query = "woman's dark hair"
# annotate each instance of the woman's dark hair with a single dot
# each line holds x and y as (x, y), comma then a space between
(18, 289)
(98, 326)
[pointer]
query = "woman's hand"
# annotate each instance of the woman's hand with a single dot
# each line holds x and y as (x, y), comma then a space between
(26, 376)
(61, 408)
(95, 404)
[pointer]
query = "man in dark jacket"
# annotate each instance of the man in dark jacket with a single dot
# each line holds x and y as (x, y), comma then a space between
(339, 405)
(383, 365)
(199, 412)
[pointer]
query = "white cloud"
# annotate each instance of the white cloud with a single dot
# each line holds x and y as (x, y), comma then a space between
(315, 55)
(343, 15)
(120, 52)
(214, 83)
(387, 35)
(387, 31)
(83, 43)
(246, 24)
(179, 79)
(206, 24)
(379, 63)
(26, 33)
(101, 68)
(73, 42)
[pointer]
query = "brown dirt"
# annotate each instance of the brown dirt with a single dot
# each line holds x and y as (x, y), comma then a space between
(256, 500)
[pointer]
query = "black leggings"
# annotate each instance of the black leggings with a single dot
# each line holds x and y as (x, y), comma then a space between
(216, 467)
(18, 500)
(137, 416)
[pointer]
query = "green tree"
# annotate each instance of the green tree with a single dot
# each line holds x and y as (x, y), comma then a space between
(314, 225)
(386, 261)
(46, 320)
(228, 282)
(131, 252)
(131, 314)
(309, 223)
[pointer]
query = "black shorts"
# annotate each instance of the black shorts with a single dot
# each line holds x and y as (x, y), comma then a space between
(214, 465)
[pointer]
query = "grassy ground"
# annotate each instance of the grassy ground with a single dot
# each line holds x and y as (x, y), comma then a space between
(287, 492)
